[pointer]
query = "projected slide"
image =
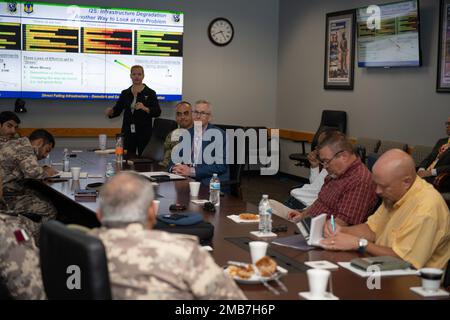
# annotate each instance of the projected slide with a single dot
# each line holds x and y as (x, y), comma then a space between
(70, 52)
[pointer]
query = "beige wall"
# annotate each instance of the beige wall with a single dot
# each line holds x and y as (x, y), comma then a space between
(395, 104)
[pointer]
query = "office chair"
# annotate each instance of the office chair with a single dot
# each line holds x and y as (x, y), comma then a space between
(236, 168)
(262, 147)
(385, 145)
(330, 119)
(155, 147)
(66, 254)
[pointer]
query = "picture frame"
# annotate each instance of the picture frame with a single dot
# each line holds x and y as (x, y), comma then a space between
(443, 65)
(340, 37)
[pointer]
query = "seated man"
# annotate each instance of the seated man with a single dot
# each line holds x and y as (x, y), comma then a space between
(9, 123)
(306, 195)
(19, 161)
(413, 222)
(185, 121)
(348, 192)
(199, 166)
(150, 264)
(19, 259)
(438, 160)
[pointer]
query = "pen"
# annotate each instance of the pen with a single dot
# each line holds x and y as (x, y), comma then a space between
(332, 223)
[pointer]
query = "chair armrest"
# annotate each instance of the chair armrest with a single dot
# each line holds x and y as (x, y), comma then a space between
(442, 182)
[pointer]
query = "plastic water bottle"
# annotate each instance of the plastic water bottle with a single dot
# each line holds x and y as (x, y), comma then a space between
(119, 148)
(66, 162)
(214, 190)
(265, 215)
(109, 170)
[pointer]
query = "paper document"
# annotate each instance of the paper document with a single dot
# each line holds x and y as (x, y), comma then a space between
(162, 173)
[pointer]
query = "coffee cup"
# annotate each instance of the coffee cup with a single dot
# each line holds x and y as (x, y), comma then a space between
(431, 279)
(102, 141)
(75, 172)
(258, 250)
(194, 188)
(318, 280)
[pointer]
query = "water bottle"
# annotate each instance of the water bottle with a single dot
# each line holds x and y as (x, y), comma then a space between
(265, 215)
(66, 162)
(119, 148)
(214, 190)
(109, 170)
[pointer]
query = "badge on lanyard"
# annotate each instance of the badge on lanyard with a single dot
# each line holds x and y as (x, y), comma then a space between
(132, 128)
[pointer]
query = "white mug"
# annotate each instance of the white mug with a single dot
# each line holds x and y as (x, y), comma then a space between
(431, 279)
(318, 280)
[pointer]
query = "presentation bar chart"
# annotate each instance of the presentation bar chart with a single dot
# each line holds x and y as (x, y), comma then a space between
(50, 38)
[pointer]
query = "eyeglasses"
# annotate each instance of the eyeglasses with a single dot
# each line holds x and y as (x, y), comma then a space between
(201, 113)
(447, 124)
(326, 162)
(186, 113)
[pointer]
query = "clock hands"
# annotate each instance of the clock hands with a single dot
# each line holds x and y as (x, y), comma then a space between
(223, 35)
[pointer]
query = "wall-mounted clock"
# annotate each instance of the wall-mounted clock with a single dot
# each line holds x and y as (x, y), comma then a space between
(220, 31)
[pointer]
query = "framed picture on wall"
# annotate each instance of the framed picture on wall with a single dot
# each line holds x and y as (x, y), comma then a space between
(339, 50)
(443, 74)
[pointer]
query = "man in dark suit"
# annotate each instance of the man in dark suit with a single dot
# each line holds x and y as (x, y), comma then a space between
(438, 160)
(203, 171)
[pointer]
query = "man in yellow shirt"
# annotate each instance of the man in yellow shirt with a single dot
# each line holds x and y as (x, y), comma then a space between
(413, 222)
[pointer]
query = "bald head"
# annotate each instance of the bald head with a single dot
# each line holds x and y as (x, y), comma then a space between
(395, 163)
(394, 173)
(126, 198)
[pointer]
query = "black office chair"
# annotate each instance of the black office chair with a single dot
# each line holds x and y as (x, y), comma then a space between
(64, 252)
(236, 168)
(155, 148)
(330, 119)
(254, 152)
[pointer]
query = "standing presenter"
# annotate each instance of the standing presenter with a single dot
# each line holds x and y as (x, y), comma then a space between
(140, 105)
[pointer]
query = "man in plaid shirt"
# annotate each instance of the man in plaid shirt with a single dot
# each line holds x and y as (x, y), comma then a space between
(348, 192)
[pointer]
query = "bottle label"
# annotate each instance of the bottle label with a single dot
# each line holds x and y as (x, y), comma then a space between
(119, 150)
(214, 186)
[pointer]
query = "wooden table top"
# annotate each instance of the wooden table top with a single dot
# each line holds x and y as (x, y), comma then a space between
(346, 285)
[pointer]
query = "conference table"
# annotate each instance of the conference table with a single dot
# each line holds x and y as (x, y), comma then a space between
(230, 240)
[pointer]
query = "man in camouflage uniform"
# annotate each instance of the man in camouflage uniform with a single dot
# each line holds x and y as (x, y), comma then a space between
(151, 264)
(185, 121)
(19, 161)
(9, 123)
(20, 272)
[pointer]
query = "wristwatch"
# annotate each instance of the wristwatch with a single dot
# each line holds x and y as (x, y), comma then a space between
(362, 245)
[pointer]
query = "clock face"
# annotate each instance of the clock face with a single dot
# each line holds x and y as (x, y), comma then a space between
(220, 31)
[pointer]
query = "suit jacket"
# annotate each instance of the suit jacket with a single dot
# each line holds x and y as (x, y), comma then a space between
(443, 165)
(203, 171)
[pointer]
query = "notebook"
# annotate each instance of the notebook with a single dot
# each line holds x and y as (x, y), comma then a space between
(316, 231)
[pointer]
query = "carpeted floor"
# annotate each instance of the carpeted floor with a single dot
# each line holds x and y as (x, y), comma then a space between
(277, 187)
